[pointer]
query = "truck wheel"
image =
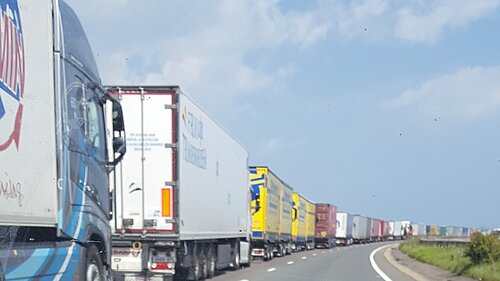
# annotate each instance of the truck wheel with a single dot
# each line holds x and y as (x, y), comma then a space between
(236, 257)
(211, 263)
(93, 265)
(204, 266)
(195, 271)
(266, 255)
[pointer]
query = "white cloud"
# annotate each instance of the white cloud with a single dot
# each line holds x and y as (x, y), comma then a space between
(272, 145)
(427, 20)
(201, 46)
(354, 18)
(468, 92)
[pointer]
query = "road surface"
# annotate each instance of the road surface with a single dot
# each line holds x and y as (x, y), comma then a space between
(350, 263)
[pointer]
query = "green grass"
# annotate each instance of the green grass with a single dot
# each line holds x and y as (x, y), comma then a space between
(490, 272)
(451, 259)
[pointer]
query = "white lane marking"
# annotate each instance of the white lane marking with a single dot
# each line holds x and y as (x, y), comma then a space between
(323, 252)
(271, 269)
(304, 258)
(244, 280)
(314, 254)
(290, 262)
(375, 266)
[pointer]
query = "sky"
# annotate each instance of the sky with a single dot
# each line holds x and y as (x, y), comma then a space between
(389, 109)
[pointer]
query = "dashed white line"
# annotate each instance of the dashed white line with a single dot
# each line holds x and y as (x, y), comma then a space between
(375, 266)
(271, 269)
(304, 258)
(323, 252)
(290, 262)
(314, 254)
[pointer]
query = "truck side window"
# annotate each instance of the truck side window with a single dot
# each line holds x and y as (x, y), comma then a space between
(76, 119)
(95, 125)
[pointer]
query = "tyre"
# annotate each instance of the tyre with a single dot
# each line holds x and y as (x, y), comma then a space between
(93, 265)
(236, 257)
(195, 271)
(267, 257)
(212, 260)
(204, 266)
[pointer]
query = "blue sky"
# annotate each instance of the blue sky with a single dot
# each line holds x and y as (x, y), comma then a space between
(385, 108)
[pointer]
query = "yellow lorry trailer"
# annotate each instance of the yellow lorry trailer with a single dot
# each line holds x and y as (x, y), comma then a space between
(299, 215)
(271, 206)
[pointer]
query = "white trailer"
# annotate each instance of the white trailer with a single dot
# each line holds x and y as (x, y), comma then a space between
(344, 229)
(360, 229)
(182, 196)
(396, 230)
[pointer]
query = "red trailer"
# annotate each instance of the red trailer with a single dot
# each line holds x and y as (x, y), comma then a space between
(326, 223)
(376, 228)
(386, 230)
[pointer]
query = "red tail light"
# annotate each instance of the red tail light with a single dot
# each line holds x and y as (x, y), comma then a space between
(162, 266)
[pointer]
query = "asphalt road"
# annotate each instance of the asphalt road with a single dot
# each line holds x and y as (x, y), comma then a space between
(350, 263)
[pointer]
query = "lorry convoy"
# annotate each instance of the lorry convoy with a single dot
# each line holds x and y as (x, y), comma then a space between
(182, 202)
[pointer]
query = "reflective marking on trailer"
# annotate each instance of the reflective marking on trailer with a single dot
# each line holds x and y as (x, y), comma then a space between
(290, 262)
(271, 269)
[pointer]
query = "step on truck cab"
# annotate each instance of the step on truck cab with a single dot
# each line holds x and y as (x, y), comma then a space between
(54, 148)
(182, 191)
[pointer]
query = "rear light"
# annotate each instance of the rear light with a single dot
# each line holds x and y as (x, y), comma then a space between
(162, 266)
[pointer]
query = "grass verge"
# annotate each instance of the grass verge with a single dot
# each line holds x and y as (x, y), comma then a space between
(452, 259)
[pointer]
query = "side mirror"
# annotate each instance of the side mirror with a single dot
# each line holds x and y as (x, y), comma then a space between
(119, 145)
(117, 131)
(118, 124)
(294, 214)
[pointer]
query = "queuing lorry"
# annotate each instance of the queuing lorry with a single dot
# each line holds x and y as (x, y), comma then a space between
(54, 193)
(326, 225)
(396, 230)
(181, 193)
(344, 228)
(310, 224)
(407, 229)
(360, 229)
(271, 206)
(303, 223)
(376, 230)
(384, 230)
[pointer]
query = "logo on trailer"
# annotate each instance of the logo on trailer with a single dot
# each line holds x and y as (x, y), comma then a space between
(11, 73)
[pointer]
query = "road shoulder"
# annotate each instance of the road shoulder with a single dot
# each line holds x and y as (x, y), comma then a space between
(417, 270)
